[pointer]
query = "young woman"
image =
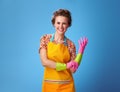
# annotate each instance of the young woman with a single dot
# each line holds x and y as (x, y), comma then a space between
(58, 55)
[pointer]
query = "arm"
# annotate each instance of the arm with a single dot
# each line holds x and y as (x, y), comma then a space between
(45, 61)
(43, 52)
(51, 64)
(82, 43)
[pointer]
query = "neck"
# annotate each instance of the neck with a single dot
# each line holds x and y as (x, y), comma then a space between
(58, 37)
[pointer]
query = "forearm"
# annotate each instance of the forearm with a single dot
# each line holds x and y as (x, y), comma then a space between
(82, 43)
(51, 64)
(78, 58)
(45, 61)
(48, 63)
(54, 64)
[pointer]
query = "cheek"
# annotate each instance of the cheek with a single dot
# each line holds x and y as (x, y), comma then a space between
(55, 26)
(66, 27)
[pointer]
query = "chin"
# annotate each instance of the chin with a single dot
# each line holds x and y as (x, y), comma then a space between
(61, 33)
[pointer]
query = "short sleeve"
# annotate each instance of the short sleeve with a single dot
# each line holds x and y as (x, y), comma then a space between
(44, 41)
(72, 49)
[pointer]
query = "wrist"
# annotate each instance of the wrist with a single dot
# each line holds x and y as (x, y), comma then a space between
(78, 58)
(68, 65)
(60, 66)
(81, 51)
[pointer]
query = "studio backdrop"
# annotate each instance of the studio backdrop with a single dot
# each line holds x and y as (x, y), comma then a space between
(23, 22)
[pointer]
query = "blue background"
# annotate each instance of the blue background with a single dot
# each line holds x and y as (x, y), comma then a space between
(23, 22)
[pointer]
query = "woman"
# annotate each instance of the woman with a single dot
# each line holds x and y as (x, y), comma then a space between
(58, 55)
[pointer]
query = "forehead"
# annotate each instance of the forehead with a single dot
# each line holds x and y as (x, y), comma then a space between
(61, 19)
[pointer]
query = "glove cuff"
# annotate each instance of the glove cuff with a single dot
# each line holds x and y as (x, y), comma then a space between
(78, 58)
(60, 66)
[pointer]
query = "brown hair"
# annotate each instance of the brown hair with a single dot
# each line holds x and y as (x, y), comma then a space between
(62, 12)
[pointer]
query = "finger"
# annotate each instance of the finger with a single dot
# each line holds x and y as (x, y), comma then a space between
(79, 42)
(84, 41)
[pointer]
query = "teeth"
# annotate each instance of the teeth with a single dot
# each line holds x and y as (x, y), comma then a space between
(61, 30)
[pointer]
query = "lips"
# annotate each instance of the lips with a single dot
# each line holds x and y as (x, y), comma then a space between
(60, 30)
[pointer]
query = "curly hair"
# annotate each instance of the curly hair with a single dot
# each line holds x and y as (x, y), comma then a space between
(62, 12)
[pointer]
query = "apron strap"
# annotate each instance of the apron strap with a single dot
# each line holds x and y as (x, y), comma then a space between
(52, 38)
(65, 39)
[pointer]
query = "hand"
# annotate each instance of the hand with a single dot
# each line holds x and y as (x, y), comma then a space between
(82, 43)
(72, 65)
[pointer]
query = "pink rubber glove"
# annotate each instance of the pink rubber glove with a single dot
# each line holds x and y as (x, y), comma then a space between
(72, 65)
(82, 43)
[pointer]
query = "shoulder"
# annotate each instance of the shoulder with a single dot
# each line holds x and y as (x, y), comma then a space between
(44, 41)
(70, 43)
(46, 36)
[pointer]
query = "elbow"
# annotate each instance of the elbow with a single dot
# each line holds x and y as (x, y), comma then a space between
(44, 64)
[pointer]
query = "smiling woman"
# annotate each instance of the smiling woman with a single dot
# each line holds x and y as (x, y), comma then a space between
(58, 55)
(61, 25)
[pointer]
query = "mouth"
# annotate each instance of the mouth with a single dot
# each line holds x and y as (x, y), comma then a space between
(60, 30)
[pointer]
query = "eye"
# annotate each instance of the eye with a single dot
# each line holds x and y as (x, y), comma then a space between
(64, 23)
(58, 22)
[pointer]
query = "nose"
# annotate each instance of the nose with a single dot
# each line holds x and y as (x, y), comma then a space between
(61, 26)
